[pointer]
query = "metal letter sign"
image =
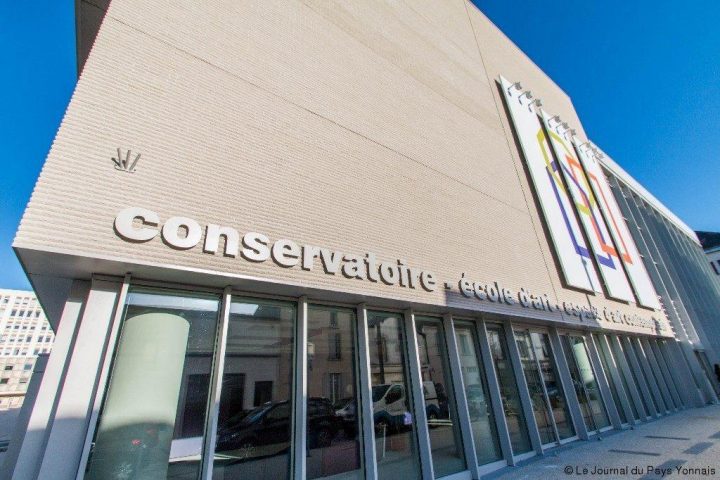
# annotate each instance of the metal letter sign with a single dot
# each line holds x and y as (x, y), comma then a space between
(627, 250)
(607, 257)
(572, 252)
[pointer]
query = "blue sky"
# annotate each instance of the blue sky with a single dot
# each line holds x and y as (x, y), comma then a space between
(644, 77)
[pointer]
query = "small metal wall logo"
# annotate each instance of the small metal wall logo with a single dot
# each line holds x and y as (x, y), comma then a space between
(126, 164)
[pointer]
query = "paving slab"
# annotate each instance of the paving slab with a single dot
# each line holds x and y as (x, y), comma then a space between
(683, 445)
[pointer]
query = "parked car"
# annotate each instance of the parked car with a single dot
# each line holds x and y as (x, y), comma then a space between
(265, 430)
(390, 407)
(346, 409)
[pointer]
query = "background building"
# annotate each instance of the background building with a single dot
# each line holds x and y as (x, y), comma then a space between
(25, 333)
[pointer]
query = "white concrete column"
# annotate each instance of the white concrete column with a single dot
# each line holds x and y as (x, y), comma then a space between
(66, 438)
(32, 446)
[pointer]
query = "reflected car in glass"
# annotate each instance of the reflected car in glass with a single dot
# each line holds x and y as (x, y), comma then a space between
(265, 430)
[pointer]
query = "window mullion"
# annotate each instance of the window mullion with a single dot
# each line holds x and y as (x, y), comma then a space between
(214, 402)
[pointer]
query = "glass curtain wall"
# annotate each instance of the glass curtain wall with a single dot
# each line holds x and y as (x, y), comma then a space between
(553, 386)
(154, 417)
(585, 382)
(395, 433)
(534, 381)
(639, 356)
(516, 423)
(482, 420)
(255, 417)
(623, 349)
(154, 412)
(332, 427)
(440, 405)
(603, 354)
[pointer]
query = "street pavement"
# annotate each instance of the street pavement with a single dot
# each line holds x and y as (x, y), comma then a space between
(684, 445)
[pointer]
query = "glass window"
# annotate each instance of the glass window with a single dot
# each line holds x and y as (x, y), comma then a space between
(333, 425)
(395, 436)
(482, 421)
(535, 387)
(553, 386)
(151, 423)
(623, 348)
(440, 406)
(585, 383)
(517, 426)
(253, 438)
(606, 365)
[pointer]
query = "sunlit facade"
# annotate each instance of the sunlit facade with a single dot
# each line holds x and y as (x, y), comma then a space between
(283, 240)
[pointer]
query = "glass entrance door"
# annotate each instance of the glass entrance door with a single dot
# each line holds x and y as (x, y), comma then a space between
(536, 388)
(516, 423)
(551, 410)
(585, 383)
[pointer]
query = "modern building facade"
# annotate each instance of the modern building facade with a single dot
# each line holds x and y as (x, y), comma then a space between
(314, 240)
(25, 333)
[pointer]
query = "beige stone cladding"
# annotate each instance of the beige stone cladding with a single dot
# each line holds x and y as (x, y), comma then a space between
(357, 126)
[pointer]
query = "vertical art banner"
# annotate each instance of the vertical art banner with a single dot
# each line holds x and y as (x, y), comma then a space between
(557, 207)
(607, 257)
(627, 250)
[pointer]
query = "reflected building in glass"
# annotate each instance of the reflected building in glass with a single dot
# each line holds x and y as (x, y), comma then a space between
(287, 241)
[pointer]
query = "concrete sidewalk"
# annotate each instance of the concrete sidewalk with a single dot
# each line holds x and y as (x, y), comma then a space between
(689, 440)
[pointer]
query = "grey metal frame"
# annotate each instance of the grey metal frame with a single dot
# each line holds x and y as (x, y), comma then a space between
(216, 382)
(603, 383)
(417, 397)
(657, 373)
(646, 369)
(634, 393)
(525, 399)
(611, 408)
(639, 377)
(494, 392)
(563, 370)
(365, 385)
(299, 449)
(459, 394)
(669, 378)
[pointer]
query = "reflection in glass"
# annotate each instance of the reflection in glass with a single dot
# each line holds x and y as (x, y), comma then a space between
(332, 420)
(585, 383)
(482, 422)
(154, 413)
(611, 381)
(440, 405)
(395, 436)
(556, 396)
(517, 427)
(255, 419)
(535, 387)
(626, 383)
